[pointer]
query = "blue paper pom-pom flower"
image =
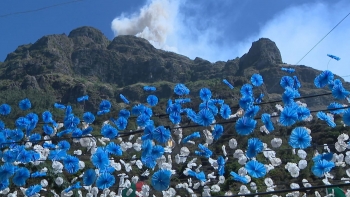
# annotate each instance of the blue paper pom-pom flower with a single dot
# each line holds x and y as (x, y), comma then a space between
(299, 138)
(334, 108)
(321, 115)
(266, 119)
(323, 79)
(100, 159)
(59, 106)
(225, 111)
(288, 116)
(143, 120)
(321, 167)
(245, 102)
(339, 92)
(124, 99)
(257, 80)
(175, 118)
(113, 148)
(25, 104)
(64, 145)
(121, 123)
(32, 190)
(152, 100)
(109, 132)
(71, 122)
(20, 177)
(255, 169)
(245, 125)
(218, 131)
(161, 179)
(181, 89)
(5, 109)
(287, 81)
(161, 134)
(22, 123)
(124, 113)
(241, 179)
(83, 98)
(252, 111)
(227, 83)
(205, 117)
(255, 146)
(47, 129)
(157, 151)
(105, 105)
(105, 180)
(190, 137)
(247, 90)
(6, 171)
(203, 151)
(34, 137)
(47, 117)
(303, 113)
(89, 177)
(221, 165)
(71, 164)
(205, 94)
(333, 57)
(149, 88)
(88, 117)
(288, 70)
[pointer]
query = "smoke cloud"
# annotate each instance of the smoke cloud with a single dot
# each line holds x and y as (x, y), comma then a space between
(154, 22)
(210, 30)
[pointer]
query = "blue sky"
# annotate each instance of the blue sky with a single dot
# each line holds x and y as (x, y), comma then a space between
(212, 29)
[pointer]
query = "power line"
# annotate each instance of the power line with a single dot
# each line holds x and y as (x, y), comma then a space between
(323, 38)
(39, 9)
(292, 190)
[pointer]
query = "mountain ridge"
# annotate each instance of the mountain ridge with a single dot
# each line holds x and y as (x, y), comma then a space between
(86, 62)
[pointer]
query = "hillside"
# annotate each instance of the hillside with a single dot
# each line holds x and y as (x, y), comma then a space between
(86, 62)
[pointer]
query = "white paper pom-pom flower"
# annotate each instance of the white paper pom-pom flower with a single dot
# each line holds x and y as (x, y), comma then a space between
(221, 180)
(343, 137)
(302, 164)
(44, 183)
(294, 186)
(243, 190)
(242, 160)
(275, 161)
(302, 154)
(340, 146)
(238, 153)
(184, 151)
(269, 153)
(215, 188)
(59, 181)
(232, 143)
(253, 186)
(268, 182)
(276, 142)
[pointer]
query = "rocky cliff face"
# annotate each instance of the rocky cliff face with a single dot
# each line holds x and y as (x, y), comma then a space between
(86, 62)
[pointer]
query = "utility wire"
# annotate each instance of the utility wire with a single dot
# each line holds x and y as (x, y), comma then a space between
(125, 134)
(323, 38)
(292, 190)
(39, 9)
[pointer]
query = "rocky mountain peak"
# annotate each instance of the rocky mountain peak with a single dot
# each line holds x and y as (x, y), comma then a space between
(88, 37)
(263, 53)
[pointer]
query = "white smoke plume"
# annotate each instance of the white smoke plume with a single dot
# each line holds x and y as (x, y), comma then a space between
(154, 22)
(187, 27)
